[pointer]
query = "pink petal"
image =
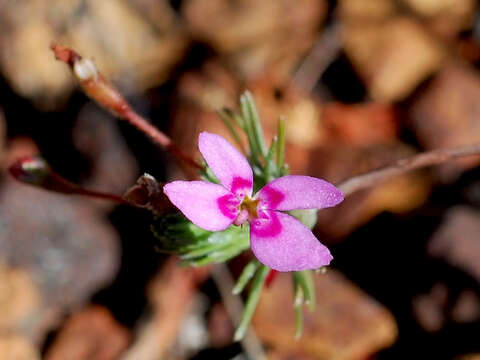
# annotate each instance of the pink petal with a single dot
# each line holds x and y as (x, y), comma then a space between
(299, 192)
(284, 244)
(209, 206)
(227, 163)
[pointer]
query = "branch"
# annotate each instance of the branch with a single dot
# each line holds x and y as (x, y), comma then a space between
(429, 158)
(98, 88)
(35, 171)
(323, 53)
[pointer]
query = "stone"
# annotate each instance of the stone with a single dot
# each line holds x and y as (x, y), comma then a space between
(347, 323)
(430, 308)
(91, 334)
(400, 194)
(19, 299)
(134, 42)
(366, 10)
(446, 115)
(381, 53)
(456, 240)
(254, 36)
(361, 124)
(64, 243)
(112, 166)
(16, 347)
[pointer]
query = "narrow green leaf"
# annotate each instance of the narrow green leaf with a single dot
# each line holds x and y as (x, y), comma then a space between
(298, 321)
(298, 295)
(252, 301)
(202, 251)
(237, 118)
(207, 174)
(298, 301)
(219, 256)
(254, 150)
(272, 149)
(255, 123)
(227, 120)
(226, 253)
(281, 143)
(245, 276)
(270, 165)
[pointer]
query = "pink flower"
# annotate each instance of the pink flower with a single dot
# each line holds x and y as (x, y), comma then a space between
(277, 239)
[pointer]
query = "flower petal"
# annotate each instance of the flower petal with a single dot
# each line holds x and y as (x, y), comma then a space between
(299, 192)
(227, 163)
(209, 206)
(284, 244)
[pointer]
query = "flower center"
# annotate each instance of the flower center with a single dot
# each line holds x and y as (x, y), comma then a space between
(248, 210)
(250, 205)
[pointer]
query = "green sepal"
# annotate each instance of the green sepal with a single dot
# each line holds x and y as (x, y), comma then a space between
(196, 246)
(307, 217)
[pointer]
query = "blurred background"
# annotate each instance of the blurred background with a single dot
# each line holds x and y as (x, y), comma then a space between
(362, 83)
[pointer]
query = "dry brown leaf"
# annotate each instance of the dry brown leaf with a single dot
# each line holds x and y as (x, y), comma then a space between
(456, 240)
(382, 53)
(446, 115)
(15, 347)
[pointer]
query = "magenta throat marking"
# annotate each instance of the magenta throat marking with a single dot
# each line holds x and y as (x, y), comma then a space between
(271, 197)
(266, 225)
(228, 205)
(239, 183)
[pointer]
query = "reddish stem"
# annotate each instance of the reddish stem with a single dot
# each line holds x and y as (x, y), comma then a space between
(33, 170)
(272, 275)
(108, 97)
(100, 195)
(159, 137)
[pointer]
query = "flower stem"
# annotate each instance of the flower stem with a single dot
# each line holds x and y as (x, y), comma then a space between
(35, 171)
(100, 195)
(108, 97)
(158, 137)
(252, 300)
(227, 120)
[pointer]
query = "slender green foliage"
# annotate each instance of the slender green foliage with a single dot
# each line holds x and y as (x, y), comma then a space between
(246, 275)
(252, 301)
